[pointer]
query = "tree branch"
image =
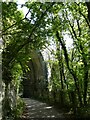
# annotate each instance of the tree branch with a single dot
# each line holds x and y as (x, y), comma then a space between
(72, 72)
(17, 22)
(88, 7)
(79, 29)
(29, 39)
(87, 21)
(64, 48)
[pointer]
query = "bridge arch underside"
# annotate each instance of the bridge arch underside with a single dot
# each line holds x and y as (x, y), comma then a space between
(35, 80)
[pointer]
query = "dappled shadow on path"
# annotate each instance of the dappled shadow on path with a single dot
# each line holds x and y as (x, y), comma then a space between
(38, 110)
(35, 110)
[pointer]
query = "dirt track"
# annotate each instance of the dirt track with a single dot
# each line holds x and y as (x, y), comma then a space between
(38, 110)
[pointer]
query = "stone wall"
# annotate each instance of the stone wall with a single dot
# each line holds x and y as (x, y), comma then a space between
(1, 90)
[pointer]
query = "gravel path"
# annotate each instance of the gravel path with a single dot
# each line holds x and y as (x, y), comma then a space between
(36, 110)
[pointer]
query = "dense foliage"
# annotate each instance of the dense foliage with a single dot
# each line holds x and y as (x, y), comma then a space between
(44, 26)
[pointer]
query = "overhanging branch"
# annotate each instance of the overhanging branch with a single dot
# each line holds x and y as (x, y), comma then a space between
(29, 39)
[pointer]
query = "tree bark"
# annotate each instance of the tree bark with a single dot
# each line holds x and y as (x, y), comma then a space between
(88, 7)
(72, 72)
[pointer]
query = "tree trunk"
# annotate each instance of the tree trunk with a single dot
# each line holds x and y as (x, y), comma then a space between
(88, 7)
(72, 72)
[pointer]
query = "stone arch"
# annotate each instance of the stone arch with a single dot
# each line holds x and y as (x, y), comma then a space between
(32, 83)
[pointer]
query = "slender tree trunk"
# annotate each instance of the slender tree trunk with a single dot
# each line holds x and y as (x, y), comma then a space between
(86, 69)
(72, 72)
(88, 7)
(64, 76)
(59, 57)
(85, 85)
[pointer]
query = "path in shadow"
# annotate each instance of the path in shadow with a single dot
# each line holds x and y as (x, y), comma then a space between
(37, 110)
